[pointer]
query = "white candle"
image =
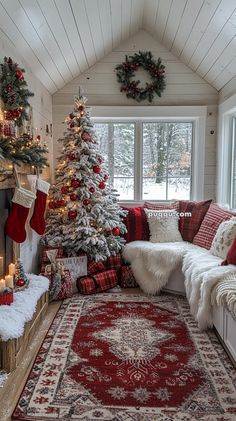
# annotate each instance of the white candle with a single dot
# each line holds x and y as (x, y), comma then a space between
(1, 265)
(12, 269)
(2, 284)
(9, 281)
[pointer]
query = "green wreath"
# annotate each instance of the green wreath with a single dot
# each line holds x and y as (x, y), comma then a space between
(14, 91)
(126, 71)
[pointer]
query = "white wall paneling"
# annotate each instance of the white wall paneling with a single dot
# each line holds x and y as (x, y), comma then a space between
(184, 87)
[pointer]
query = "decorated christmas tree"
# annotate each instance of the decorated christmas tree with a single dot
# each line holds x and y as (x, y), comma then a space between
(83, 214)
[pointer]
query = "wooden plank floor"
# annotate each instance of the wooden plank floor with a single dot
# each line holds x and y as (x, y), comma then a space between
(10, 392)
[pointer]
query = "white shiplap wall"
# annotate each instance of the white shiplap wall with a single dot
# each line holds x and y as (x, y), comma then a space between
(228, 90)
(42, 115)
(184, 87)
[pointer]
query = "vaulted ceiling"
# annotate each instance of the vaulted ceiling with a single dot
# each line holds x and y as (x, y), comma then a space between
(60, 39)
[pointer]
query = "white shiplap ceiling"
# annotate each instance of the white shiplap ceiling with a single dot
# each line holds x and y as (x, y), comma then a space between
(60, 39)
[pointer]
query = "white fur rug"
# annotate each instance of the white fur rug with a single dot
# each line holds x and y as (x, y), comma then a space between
(202, 273)
(14, 317)
(3, 377)
(153, 263)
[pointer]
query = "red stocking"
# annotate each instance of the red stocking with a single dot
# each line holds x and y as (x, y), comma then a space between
(15, 223)
(37, 221)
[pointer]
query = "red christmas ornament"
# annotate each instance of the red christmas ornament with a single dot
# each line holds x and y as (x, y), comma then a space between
(8, 115)
(72, 125)
(100, 160)
(16, 113)
(71, 115)
(102, 185)
(51, 205)
(60, 203)
(81, 108)
(65, 189)
(115, 231)
(73, 196)
(97, 169)
(92, 189)
(72, 214)
(105, 177)
(20, 282)
(19, 74)
(86, 202)
(38, 137)
(71, 156)
(86, 136)
(75, 183)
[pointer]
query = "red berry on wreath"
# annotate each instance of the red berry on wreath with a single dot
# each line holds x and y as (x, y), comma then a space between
(97, 169)
(20, 282)
(71, 115)
(73, 197)
(65, 189)
(115, 231)
(72, 125)
(92, 189)
(75, 183)
(72, 214)
(102, 185)
(86, 202)
(16, 113)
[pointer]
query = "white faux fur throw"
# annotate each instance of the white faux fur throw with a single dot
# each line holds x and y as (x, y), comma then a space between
(225, 293)
(14, 317)
(202, 273)
(153, 263)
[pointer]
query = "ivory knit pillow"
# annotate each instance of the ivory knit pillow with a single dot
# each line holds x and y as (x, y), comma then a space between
(223, 239)
(163, 225)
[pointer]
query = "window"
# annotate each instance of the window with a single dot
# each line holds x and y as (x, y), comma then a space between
(233, 167)
(147, 160)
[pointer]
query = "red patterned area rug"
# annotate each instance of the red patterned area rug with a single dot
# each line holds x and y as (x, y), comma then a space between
(128, 358)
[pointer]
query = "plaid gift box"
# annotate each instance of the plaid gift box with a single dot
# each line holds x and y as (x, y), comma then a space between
(127, 279)
(97, 283)
(114, 262)
(94, 267)
(45, 258)
(60, 287)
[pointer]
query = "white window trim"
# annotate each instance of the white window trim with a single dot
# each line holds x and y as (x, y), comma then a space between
(227, 110)
(138, 114)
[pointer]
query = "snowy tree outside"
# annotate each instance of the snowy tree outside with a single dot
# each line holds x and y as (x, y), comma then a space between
(166, 158)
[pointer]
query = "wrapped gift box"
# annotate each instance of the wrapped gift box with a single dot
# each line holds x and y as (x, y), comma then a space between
(127, 279)
(98, 282)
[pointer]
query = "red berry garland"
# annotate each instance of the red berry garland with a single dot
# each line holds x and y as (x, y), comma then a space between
(125, 72)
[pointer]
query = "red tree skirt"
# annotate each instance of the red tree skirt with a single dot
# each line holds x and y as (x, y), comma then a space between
(128, 357)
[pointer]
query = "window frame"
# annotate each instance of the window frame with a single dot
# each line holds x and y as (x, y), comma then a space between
(142, 114)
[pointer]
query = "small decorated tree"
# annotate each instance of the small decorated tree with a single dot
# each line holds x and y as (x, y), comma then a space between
(21, 280)
(83, 214)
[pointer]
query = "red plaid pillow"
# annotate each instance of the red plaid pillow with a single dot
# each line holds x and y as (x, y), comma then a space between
(213, 218)
(136, 224)
(160, 206)
(97, 283)
(189, 225)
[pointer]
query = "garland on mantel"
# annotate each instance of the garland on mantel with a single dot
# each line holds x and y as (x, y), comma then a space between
(126, 71)
(23, 149)
(14, 92)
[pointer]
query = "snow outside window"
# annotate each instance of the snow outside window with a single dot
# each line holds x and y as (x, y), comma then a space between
(147, 160)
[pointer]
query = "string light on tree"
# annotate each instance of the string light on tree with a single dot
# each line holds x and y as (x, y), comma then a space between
(90, 219)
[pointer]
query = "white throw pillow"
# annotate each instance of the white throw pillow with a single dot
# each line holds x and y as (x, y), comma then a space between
(224, 237)
(163, 225)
